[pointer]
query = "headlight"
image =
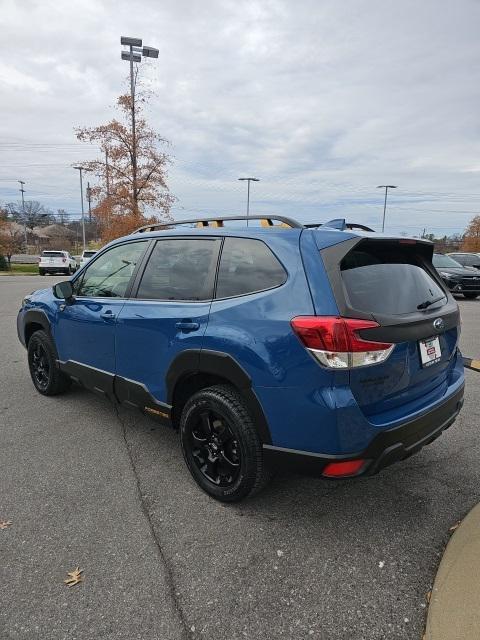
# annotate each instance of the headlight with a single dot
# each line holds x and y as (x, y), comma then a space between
(25, 301)
(447, 275)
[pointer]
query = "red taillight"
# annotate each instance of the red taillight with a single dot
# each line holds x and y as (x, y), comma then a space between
(343, 469)
(330, 333)
(335, 341)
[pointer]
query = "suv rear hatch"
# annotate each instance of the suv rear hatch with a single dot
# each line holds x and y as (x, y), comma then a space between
(53, 259)
(393, 283)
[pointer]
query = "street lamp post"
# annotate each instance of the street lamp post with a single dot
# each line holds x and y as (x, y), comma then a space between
(386, 187)
(80, 169)
(89, 200)
(248, 180)
(134, 54)
(22, 190)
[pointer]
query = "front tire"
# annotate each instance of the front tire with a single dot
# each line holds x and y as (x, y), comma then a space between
(471, 296)
(41, 272)
(42, 363)
(221, 446)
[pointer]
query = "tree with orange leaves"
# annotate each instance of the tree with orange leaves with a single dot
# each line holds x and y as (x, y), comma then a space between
(128, 196)
(471, 239)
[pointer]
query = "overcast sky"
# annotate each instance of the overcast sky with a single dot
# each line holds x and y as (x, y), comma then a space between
(322, 100)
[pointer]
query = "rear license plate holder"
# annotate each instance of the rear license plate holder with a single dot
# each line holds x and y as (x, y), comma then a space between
(430, 351)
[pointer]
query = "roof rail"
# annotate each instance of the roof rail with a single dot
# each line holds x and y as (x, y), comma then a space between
(266, 221)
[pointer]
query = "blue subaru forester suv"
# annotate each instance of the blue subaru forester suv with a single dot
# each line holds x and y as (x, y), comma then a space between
(268, 344)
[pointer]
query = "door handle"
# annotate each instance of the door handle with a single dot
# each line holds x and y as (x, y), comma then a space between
(187, 326)
(108, 315)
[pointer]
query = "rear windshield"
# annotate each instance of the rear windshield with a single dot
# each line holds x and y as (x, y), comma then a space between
(388, 279)
(52, 254)
(89, 254)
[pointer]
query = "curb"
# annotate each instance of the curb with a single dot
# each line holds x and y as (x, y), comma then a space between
(454, 612)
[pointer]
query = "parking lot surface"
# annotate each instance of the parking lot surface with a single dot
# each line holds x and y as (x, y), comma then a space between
(88, 484)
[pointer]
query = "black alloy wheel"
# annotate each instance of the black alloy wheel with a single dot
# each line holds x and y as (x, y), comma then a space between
(40, 366)
(46, 375)
(221, 445)
(214, 448)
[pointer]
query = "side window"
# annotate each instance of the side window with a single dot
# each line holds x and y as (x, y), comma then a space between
(180, 269)
(109, 275)
(247, 266)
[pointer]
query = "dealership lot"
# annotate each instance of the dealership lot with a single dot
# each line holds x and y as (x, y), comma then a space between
(87, 484)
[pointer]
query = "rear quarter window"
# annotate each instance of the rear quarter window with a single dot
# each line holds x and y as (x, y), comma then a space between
(247, 266)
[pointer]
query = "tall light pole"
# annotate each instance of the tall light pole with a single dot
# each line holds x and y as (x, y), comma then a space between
(386, 187)
(89, 200)
(248, 180)
(22, 190)
(81, 199)
(134, 54)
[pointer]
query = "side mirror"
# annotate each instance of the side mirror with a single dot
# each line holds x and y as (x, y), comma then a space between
(63, 290)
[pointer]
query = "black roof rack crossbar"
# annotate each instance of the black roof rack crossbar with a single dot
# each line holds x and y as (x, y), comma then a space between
(218, 222)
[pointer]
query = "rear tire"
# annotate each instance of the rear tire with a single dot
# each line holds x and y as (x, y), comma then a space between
(471, 296)
(42, 363)
(221, 445)
(41, 272)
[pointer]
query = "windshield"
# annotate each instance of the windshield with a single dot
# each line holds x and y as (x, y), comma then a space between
(440, 260)
(52, 254)
(89, 254)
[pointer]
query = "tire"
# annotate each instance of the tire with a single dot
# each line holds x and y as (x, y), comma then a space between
(42, 363)
(471, 296)
(68, 272)
(221, 446)
(41, 272)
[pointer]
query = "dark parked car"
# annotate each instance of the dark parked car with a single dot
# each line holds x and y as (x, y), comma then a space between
(466, 259)
(322, 348)
(465, 280)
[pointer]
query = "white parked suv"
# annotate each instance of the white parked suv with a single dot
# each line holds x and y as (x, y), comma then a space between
(56, 262)
(86, 255)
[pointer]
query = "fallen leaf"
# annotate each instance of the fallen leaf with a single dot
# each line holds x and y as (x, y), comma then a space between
(74, 578)
(381, 564)
(428, 595)
(5, 523)
(455, 526)
(280, 553)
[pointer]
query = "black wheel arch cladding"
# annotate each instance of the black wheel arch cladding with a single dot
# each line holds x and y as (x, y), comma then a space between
(224, 366)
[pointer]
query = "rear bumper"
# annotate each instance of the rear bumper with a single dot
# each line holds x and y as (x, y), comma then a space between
(387, 447)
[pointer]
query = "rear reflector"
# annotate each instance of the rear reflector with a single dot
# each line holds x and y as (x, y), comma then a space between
(335, 341)
(343, 469)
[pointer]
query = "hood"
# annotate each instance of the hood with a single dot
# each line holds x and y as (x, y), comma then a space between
(457, 271)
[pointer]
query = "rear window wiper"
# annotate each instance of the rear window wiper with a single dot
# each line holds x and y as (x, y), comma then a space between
(428, 303)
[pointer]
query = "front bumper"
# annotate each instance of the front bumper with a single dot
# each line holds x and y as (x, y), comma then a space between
(387, 447)
(461, 287)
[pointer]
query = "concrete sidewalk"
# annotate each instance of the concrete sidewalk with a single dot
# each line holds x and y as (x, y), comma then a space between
(454, 612)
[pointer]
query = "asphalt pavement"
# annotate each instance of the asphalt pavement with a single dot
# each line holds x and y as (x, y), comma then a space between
(103, 488)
